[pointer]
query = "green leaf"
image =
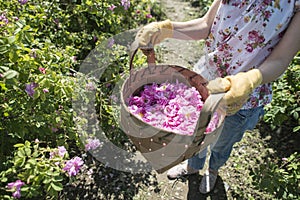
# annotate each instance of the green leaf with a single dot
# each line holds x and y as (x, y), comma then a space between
(13, 56)
(3, 49)
(4, 179)
(39, 178)
(57, 119)
(3, 87)
(20, 162)
(25, 188)
(19, 145)
(56, 186)
(32, 161)
(43, 96)
(89, 3)
(20, 24)
(27, 151)
(27, 166)
(297, 128)
(27, 143)
(35, 154)
(47, 181)
(297, 109)
(38, 124)
(10, 74)
(36, 94)
(11, 39)
(57, 178)
(296, 115)
(3, 68)
(21, 153)
(47, 83)
(28, 37)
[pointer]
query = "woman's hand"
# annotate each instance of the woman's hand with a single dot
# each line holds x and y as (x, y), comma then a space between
(154, 33)
(237, 87)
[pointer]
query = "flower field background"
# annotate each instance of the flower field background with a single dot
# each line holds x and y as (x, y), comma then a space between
(42, 44)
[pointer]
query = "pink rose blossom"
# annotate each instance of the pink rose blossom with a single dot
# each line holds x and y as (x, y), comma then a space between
(73, 166)
(148, 15)
(60, 151)
(22, 2)
(29, 88)
(284, 159)
(16, 188)
(112, 7)
(125, 4)
(42, 70)
(3, 19)
(173, 107)
(92, 144)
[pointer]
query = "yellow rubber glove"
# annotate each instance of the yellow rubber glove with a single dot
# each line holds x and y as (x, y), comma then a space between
(154, 33)
(237, 87)
(218, 85)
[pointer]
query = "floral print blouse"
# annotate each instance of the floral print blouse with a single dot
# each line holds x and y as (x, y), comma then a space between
(243, 34)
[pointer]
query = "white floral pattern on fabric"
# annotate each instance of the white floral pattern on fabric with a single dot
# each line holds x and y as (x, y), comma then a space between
(243, 34)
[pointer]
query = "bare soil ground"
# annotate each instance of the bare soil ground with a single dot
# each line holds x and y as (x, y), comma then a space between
(180, 52)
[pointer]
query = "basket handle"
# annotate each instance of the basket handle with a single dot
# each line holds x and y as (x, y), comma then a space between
(208, 109)
(148, 51)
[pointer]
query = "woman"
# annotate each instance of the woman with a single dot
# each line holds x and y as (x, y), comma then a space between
(248, 44)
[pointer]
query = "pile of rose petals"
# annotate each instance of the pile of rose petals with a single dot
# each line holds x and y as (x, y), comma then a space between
(173, 107)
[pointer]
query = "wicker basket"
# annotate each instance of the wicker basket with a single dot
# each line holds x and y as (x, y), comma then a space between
(161, 148)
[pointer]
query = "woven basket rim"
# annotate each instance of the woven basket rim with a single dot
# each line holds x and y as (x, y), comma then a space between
(124, 104)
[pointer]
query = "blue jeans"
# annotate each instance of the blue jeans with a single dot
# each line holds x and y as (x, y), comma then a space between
(233, 131)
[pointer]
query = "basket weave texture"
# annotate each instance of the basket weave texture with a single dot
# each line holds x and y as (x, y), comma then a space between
(164, 149)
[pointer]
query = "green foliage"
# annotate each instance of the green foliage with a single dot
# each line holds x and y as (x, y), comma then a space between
(202, 4)
(285, 106)
(246, 156)
(43, 176)
(280, 179)
(28, 58)
(42, 44)
(54, 36)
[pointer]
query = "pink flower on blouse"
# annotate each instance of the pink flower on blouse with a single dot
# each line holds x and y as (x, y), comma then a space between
(249, 48)
(267, 14)
(267, 2)
(255, 37)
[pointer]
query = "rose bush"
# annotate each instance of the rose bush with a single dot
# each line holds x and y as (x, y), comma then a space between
(42, 44)
(285, 106)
